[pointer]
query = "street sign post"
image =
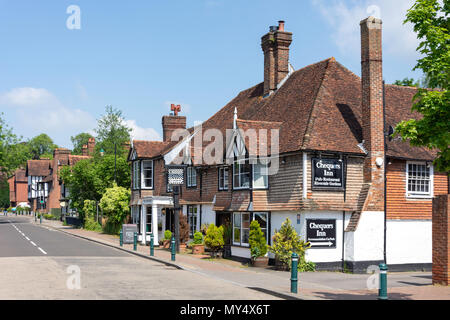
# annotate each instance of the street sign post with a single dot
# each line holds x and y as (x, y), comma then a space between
(175, 178)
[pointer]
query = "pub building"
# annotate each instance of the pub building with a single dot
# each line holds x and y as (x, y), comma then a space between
(359, 196)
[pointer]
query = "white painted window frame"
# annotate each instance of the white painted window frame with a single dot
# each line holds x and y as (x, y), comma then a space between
(191, 177)
(419, 195)
(253, 176)
(240, 243)
(241, 162)
(142, 175)
(222, 179)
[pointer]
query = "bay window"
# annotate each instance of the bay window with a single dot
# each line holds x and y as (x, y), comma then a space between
(136, 175)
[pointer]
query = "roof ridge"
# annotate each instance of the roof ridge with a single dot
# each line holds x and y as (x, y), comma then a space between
(259, 121)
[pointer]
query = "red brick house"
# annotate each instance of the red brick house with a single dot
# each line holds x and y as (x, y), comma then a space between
(359, 197)
(18, 186)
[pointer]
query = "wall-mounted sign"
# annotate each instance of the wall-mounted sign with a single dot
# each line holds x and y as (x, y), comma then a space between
(321, 233)
(327, 173)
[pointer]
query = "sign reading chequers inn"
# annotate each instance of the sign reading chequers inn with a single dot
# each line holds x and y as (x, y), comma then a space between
(327, 173)
(321, 233)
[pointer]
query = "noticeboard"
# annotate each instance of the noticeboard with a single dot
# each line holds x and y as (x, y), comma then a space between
(128, 231)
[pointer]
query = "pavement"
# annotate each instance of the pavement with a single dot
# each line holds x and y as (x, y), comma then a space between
(275, 284)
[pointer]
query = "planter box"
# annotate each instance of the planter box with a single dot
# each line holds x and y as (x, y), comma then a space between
(260, 262)
(198, 249)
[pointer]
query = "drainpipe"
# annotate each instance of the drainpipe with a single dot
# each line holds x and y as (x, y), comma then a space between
(385, 167)
(343, 239)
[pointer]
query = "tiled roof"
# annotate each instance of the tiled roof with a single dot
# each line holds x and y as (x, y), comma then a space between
(150, 149)
(20, 175)
(73, 159)
(38, 168)
(261, 136)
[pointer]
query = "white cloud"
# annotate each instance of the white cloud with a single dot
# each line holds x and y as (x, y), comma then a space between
(38, 110)
(139, 133)
(344, 16)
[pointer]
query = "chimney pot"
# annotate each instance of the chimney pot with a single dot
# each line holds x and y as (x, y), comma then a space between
(281, 25)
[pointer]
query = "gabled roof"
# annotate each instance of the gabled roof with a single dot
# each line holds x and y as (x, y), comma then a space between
(38, 168)
(149, 149)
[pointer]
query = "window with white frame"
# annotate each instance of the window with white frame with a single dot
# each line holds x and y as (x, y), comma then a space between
(192, 219)
(241, 174)
(260, 176)
(147, 174)
(241, 228)
(191, 177)
(223, 178)
(262, 218)
(136, 175)
(419, 179)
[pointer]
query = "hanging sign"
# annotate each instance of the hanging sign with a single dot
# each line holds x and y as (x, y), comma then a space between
(175, 175)
(327, 174)
(321, 233)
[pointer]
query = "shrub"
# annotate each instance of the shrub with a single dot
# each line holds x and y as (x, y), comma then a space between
(257, 241)
(48, 216)
(184, 228)
(204, 228)
(227, 233)
(214, 238)
(167, 235)
(90, 211)
(285, 242)
(198, 238)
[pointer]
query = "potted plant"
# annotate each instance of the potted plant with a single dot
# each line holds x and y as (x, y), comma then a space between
(197, 245)
(214, 239)
(285, 242)
(258, 245)
(167, 239)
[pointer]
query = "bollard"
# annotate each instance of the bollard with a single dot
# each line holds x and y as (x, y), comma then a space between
(135, 241)
(294, 272)
(35, 217)
(152, 249)
(40, 218)
(382, 292)
(173, 249)
(121, 238)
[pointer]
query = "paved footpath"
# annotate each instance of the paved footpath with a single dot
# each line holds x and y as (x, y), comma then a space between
(312, 285)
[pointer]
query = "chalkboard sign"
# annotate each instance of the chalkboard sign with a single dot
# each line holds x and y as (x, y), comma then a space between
(321, 233)
(128, 231)
(327, 174)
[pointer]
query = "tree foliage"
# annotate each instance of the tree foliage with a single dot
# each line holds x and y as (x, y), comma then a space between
(214, 238)
(115, 204)
(407, 82)
(431, 23)
(79, 141)
(41, 146)
(112, 130)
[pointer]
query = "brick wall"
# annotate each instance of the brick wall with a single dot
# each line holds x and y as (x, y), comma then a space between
(170, 124)
(398, 206)
(441, 240)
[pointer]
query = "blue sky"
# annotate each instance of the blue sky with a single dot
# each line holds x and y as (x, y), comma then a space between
(140, 56)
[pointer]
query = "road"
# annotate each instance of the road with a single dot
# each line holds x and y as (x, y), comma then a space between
(41, 263)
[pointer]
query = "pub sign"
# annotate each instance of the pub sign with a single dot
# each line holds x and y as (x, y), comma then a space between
(327, 174)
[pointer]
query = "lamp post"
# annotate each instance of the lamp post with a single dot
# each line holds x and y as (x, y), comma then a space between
(175, 178)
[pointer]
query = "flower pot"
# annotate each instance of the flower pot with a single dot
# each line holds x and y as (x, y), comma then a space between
(182, 247)
(260, 262)
(280, 265)
(198, 249)
(166, 244)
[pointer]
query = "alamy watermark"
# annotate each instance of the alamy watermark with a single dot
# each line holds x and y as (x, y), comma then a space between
(73, 22)
(73, 282)
(373, 282)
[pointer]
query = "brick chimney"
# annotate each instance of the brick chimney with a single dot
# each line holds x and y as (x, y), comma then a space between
(91, 146)
(372, 110)
(275, 45)
(84, 150)
(172, 122)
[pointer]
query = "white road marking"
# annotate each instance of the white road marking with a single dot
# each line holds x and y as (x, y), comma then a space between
(27, 238)
(34, 244)
(42, 251)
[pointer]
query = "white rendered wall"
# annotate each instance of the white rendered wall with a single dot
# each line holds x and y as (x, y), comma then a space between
(208, 215)
(367, 242)
(409, 241)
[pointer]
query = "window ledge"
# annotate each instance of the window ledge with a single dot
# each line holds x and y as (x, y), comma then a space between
(418, 197)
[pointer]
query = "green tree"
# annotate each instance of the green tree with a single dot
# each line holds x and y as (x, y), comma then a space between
(4, 193)
(41, 146)
(407, 82)
(79, 141)
(13, 153)
(214, 238)
(112, 130)
(115, 205)
(431, 23)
